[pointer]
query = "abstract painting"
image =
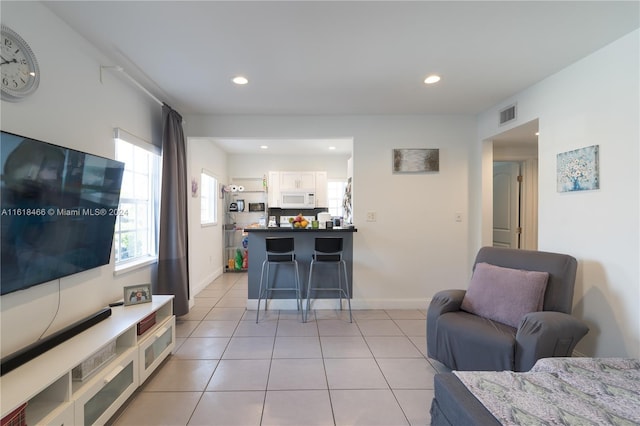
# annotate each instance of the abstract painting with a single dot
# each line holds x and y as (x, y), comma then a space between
(578, 170)
(416, 160)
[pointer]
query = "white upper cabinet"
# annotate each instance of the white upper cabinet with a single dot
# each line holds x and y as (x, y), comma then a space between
(297, 181)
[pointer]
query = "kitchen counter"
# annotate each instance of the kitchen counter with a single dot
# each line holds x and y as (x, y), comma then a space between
(308, 229)
(304, 240)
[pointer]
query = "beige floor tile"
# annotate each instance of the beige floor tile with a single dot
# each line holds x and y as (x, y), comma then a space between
(179, 375)
(293, 327)
(335, 314)
(420, 342)
(354, 373)
(364, 314)
(415, 404)
(412, 327)
(370, 407)
(185, 328)
(345, 347)
(406, 314)
(297, 407)
(292, 374)
(392, 347)
(215, 328)
(197, 313)
(249, 348)
(251, 329)
(208, 302)
(159, 408)
(291, 315)
(407, 373)
(225, 314)
(297, 347)
(338, 328)
(379, 327)
(240, 375)
(202, 348)
(232, 302)
(229, 409)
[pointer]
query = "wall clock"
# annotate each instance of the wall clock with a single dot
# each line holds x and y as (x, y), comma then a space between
(19, 68)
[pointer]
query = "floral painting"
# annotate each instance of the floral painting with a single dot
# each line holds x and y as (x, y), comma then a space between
(577, 170)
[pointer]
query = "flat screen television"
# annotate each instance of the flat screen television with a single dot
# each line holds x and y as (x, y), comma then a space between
(58, 208)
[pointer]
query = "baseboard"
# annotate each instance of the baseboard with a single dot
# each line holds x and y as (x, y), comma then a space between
(202, 284)
(356, 304)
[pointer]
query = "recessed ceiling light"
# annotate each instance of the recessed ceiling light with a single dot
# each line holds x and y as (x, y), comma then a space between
(432, 79)
(240, 80)
(332, 148)
(263, 147)
(537, 133)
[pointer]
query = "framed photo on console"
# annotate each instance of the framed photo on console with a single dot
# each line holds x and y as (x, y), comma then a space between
(135, 294)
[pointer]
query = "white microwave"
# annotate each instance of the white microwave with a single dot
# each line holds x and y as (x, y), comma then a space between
(298, 200)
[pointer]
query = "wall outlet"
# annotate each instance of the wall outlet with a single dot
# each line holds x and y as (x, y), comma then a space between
(372, 216)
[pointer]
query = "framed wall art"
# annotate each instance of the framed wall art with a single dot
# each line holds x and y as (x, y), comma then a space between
(578, 170)
(416, 160)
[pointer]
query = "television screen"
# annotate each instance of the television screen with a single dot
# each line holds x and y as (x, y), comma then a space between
(58, 209)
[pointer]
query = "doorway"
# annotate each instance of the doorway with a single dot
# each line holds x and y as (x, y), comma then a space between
(515, 187)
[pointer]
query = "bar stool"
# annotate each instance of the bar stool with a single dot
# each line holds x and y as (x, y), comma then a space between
(280, 251)
(329, 251)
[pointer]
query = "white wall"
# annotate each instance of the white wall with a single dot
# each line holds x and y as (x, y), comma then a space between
(73, 109)
(415, 248)
(205, 242)
(593, 102)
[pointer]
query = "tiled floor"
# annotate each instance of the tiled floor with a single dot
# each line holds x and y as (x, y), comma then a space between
(228, 370)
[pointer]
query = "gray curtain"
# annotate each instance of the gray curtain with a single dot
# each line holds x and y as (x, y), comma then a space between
(173, 266)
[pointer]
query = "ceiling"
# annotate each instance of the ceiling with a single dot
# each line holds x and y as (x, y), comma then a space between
(344, 57)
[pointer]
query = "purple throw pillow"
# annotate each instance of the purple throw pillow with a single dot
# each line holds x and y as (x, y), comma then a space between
(504, 295)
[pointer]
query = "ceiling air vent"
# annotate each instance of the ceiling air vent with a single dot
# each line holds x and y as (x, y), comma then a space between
(508, 114)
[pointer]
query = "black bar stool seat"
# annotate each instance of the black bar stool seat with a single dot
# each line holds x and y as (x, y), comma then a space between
(279, 251)
(329, 251)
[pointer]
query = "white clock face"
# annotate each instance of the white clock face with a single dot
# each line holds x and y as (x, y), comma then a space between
(19, 69)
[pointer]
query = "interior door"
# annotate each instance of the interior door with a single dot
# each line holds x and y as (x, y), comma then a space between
(506, 204)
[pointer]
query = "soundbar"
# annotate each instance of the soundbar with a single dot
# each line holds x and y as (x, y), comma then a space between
(26, 354)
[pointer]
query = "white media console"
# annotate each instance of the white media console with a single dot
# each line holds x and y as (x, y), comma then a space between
(55, 397)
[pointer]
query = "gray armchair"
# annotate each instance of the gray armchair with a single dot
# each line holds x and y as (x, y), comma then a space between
(464, 341)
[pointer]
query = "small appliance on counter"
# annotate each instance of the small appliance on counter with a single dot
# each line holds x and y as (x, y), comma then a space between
(240, 205)
(323, 218)
(233, 207)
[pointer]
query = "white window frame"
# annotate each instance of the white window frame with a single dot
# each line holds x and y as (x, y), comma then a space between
(335, 196)
(148, 227)
(208, 199)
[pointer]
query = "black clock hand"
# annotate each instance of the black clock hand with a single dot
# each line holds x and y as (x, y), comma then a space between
(4, 61)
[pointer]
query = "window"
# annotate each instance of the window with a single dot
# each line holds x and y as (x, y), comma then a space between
(208, 203)
(335, 196)
(135, 234)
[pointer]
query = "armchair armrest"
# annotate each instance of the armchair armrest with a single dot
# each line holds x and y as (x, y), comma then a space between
(442, 302)
(546, 334)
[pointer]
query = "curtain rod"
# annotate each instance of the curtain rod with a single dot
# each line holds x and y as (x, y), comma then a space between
(123, 72)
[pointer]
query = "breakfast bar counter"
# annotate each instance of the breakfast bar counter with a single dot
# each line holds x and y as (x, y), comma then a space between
(304, 240)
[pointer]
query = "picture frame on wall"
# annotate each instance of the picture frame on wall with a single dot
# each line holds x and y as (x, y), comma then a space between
(578, 170)
(416, 160)
(136, 294)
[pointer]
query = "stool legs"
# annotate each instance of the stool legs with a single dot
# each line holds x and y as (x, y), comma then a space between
(342, 270)
(264, 289)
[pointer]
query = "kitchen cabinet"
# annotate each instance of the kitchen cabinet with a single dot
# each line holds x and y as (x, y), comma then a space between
(322, 196)
(297, 181)
(286, 181)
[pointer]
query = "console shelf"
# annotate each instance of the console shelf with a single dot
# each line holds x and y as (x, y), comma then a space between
(46, 382)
